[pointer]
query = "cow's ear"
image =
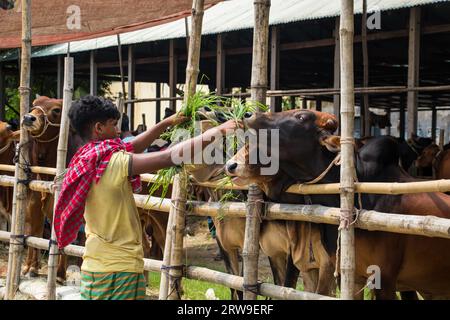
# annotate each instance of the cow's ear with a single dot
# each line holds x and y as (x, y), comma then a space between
(15, 135)
(332, 143)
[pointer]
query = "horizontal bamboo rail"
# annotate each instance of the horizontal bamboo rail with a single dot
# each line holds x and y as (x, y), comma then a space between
(393, 188)
(430, 226)
(195, 273)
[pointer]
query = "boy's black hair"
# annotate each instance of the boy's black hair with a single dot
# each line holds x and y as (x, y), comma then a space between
(89, 110)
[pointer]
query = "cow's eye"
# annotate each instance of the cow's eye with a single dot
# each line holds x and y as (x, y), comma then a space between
(57, 111)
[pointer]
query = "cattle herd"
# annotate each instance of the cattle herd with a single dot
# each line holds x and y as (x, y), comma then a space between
(409, 264)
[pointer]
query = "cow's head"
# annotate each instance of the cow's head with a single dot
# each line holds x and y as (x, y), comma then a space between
(302, 133)
(7, 134)
(45, 112)
(427, 156)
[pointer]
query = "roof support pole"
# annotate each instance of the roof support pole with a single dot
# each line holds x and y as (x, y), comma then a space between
(173, 66)
(365, 105)
(92, 74)
(402, 123)
(433, 123)
(158, 103)
(275, 102)
(318, 104)
(60, 77)
(347, 236)
(413, 68)
(337, 70)
(131, 85)
(220, 66)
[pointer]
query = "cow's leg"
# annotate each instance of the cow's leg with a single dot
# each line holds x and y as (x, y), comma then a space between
(62, 267)
(34, 226)
(292, 274)
(326, 268)
(310, 279)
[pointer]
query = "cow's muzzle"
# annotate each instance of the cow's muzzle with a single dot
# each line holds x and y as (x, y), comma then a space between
(28, 119)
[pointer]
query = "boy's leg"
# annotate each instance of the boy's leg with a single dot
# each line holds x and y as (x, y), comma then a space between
(128, 286)
(112, 286)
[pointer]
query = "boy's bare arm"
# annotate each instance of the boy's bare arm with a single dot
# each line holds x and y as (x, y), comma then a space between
(145, 139)
(150, 162)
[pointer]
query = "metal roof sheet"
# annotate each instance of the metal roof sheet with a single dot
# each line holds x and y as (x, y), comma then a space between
(226, 16)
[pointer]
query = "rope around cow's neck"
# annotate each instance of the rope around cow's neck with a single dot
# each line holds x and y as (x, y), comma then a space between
(46, 125)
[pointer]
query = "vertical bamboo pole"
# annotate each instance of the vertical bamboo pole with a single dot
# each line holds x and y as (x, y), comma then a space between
(120, 106)
(131, 85)
(60, 167)
(164, 284)
(220, 66)
(337, 73)
(365, 110)
(433, 123)
(92, 74)
(180, 183)
(402, 121)
(347, 261)
(173, 74)
(413, 68)
(2, 93)
(20, 189)
(178, 213)
(258, 93)
(60, 77)
(275, 102)
(441, 138)
(158, 103)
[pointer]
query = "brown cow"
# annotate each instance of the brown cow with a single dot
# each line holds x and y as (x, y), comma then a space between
(439, 160)
(406, 262)
(230, 232)
(8, 139)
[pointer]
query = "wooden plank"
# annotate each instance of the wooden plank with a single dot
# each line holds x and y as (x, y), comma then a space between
(131, 85)
(173, 65)
(413, 68)
(220, 66)
(92, 74)
(275, 102)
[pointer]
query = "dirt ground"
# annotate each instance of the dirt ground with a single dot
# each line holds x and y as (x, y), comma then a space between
(201, 250)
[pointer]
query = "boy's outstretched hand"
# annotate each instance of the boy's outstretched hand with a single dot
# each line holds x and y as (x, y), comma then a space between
(230, 126)
(175, 119)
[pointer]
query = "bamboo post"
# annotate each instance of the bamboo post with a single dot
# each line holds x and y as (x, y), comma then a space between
(173, 67)
(164, 284)
(20, 189)
(60, 168)
(365, 110)
(258, 93)
(433, 123)
(337, 70)
(347, 255)
(180, 182)
(120, 106)
(178, 211)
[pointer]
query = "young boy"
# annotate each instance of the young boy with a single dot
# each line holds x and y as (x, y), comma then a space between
(100, 182)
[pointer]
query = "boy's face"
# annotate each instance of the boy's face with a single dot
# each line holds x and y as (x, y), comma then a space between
(107, 130)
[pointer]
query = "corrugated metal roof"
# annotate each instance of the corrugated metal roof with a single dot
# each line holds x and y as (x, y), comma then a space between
(227, 16)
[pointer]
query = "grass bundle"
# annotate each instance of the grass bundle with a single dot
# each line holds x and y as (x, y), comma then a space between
(229, 109)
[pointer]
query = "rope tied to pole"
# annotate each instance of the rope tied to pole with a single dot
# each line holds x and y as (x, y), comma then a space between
(57, 181)
(15, 242)
(253, 288)
(261, 213)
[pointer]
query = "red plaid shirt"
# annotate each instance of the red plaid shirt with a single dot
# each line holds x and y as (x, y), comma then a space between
(86, 166)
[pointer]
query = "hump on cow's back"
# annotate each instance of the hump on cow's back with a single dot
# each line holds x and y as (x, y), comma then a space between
(382, 150)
